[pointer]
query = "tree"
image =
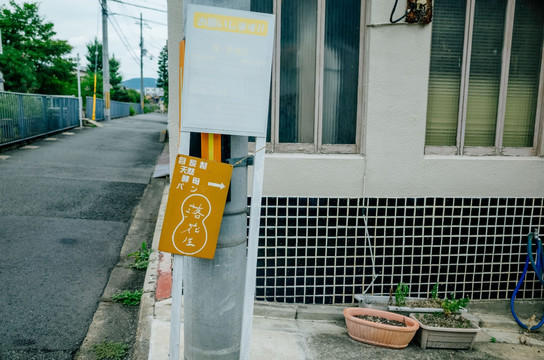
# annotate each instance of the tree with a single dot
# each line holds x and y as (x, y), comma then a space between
(94, 58)
(32, 60)
(162, 80)
(115, 77)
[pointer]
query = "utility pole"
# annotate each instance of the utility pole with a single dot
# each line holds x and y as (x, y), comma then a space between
(213, 290)
(105, 61)
(141, 65)
(1, 75)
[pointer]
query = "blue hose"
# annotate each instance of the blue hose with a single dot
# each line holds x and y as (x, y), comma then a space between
(538, 267)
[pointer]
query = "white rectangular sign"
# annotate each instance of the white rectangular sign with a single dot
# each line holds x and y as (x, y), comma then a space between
(228, 62)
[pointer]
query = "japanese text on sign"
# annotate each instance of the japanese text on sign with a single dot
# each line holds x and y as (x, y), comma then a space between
(195, 207)
(230, 24)
(227, 71)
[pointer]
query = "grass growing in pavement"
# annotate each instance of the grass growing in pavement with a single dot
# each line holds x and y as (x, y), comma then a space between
(110, 350)
(141, 257)
(128, 297)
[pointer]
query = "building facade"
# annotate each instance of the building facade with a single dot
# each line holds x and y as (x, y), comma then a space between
(398, 152)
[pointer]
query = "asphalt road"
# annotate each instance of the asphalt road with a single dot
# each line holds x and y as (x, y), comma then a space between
(65, 209)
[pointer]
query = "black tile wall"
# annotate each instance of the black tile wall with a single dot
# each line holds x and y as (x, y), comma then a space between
(326, 250)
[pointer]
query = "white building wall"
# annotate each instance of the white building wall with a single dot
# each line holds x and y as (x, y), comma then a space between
(392, 163)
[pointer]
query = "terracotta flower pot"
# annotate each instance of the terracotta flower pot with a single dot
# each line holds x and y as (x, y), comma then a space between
(369, 332)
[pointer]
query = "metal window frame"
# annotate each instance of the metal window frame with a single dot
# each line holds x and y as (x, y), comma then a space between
(498, 149)
(317, 147)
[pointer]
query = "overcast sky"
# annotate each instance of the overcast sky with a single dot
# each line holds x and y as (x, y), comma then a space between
(80, 21)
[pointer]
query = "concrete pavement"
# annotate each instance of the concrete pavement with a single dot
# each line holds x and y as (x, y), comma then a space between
(297, 331)
(67, 201)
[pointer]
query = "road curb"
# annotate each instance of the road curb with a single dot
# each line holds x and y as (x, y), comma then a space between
(140, 349)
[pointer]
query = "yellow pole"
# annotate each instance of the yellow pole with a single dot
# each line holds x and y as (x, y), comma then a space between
(94, 98)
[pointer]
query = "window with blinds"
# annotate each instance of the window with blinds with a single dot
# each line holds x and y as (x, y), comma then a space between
(485, 71)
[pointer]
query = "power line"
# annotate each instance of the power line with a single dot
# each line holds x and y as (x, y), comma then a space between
(123, 39)
(129, 10)
(134, 17)
(139, 6)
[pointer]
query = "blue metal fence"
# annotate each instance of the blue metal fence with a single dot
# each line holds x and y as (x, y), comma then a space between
(24, 116)
(117, 109)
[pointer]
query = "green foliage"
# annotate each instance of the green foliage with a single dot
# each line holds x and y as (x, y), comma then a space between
(94, 58)
(110, 350)
(132, 111)
(33, 61)
(141, 257)
(401, 293)
(434, 292)
(149, 108)
(128, 297)
(452, 305)
(493, 340)
(162, 80)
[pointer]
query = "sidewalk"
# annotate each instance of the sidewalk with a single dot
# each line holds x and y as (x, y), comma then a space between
(297, 331)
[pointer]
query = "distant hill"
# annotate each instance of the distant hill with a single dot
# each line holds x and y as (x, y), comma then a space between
(135, 83)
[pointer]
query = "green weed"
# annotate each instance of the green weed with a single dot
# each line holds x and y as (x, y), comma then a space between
(434, 292)
(401, 293)
(128, 297)
(141, 257)
(453, 305)
(110, 350)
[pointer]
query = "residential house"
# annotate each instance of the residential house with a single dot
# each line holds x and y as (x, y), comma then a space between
(400, 152)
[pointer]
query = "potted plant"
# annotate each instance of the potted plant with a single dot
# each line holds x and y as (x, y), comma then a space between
(448, 329)
(379, 327)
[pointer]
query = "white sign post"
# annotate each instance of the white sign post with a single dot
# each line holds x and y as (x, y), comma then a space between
(226, 90)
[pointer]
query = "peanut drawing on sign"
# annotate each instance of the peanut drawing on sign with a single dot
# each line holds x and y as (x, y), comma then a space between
(191, 235)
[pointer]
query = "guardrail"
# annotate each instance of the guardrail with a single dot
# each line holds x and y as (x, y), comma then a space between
(25, 116)
(117, 109)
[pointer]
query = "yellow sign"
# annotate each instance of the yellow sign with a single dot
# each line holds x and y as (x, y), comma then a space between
(198, 192)
(230, 24)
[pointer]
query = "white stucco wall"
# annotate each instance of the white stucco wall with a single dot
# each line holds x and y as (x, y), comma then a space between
(393, 163)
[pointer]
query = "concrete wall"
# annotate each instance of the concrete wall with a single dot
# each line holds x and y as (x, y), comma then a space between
(392, 163)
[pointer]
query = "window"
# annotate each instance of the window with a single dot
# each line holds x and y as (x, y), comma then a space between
(485, 75)
(315, 87)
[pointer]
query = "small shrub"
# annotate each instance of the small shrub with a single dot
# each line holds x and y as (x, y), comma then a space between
(128, 297)
(110, 350)
(132, 111)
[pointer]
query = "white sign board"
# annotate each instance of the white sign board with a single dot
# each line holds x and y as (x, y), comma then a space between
(228, 62)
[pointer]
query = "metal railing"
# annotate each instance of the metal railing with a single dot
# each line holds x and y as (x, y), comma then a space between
(25, 116)
(117, 109)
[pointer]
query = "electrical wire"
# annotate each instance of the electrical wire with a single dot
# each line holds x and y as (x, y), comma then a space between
(137, 18)
(118, 29)
(393, 11)
(139, 6)
(123, 38)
